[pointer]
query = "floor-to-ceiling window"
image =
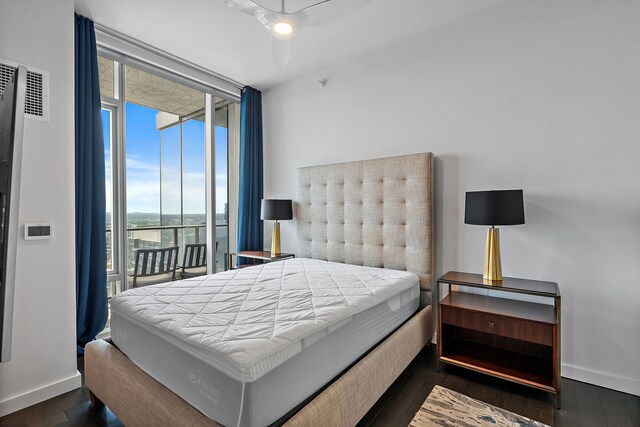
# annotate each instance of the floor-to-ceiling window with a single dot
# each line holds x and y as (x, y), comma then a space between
(165, 180)
(155, 145)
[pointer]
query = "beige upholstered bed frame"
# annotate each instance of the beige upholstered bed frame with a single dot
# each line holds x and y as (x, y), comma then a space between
(374, 212)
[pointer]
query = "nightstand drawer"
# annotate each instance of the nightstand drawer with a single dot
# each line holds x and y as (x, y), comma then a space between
(526, 330)
(475, 320)
(520, 329)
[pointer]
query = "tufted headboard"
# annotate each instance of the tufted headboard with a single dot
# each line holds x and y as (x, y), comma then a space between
(377, 213)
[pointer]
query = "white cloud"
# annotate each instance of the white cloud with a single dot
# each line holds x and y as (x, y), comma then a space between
(143, 189)
(140, 165)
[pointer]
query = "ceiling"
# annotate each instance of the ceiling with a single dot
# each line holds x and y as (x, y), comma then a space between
(173, 101)
(236, 45)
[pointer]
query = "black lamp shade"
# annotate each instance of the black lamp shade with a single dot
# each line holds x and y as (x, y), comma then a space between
(497, 207)
(275, 209)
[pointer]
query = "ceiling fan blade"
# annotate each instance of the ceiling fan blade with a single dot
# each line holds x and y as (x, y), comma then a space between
(328, 12)
(266, 17)
(281, 50)
(246, 6)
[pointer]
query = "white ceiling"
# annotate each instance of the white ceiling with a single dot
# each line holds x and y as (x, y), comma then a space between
(224, 40)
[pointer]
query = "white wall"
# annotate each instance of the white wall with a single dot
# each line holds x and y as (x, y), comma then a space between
(39, 33)
(540, 95)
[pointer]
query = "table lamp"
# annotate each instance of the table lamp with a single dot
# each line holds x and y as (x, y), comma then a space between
(496, 207)
(276, 210)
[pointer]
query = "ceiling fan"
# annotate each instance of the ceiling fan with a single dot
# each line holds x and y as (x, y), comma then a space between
(283, 24)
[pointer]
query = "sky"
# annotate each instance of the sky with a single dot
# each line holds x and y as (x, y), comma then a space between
(144, 164)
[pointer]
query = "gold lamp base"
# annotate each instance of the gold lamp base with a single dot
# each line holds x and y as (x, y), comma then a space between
(492, 264)
(275, 240)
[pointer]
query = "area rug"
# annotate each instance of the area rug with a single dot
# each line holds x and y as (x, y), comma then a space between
(444, 407)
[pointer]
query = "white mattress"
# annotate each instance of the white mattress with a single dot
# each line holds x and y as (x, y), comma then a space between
(265, 337)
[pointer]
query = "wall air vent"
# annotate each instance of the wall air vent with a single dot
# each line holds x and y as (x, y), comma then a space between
(36, 104)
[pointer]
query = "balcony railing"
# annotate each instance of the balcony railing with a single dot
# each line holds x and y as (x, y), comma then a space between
(151, 237)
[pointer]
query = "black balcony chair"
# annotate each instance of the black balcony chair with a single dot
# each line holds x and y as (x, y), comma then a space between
(195, 260)
(155, 266)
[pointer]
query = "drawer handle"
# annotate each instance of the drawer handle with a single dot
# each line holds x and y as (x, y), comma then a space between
(492, 324)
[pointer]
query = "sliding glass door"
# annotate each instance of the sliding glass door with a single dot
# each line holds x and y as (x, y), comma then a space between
(155, 152)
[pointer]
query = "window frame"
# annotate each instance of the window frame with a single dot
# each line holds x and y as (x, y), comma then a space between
(115, 203)
(117, 104)
(118, 178)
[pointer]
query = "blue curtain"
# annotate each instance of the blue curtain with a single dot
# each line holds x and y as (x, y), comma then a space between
(91, 241)
(250, 227)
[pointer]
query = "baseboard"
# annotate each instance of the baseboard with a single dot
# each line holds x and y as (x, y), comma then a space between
(32, 397)
(602, 379)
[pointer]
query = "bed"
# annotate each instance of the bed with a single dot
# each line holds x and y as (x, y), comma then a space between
(365, 256)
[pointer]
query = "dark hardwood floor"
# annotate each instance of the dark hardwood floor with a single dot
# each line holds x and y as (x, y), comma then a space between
(584, 405)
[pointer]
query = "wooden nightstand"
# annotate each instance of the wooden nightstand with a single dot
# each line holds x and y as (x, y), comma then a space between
(261, 255)
(515, 340)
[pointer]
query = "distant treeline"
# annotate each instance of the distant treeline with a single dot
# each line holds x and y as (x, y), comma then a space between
(146, 219)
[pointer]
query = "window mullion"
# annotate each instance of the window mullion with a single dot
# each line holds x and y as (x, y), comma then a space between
(119, 82)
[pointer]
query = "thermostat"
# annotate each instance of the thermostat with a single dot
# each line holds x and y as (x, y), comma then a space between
(38, 231)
